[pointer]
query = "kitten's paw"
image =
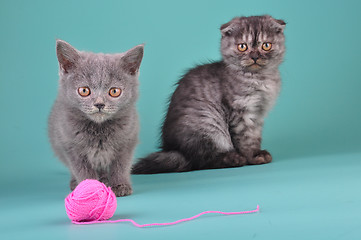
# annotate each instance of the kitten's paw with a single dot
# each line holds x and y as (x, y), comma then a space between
(104, 180)
(73, 184)
(122, 190)
(234, 159)
(261, 157)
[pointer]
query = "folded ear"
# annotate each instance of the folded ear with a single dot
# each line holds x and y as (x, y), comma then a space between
(67, 55)
(131, 59)
(279, 24)
(228, 28)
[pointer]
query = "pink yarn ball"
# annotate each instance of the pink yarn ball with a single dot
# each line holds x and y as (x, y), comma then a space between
(91, 200)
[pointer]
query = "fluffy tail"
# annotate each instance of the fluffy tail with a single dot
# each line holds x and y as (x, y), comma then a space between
(162, 162)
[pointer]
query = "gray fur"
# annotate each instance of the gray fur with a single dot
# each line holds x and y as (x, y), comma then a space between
(96, 142)
(216, 113)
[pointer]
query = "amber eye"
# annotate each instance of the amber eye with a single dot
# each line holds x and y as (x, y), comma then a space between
(84, 91)
(242, 47)
(115, 92)
(266, 46)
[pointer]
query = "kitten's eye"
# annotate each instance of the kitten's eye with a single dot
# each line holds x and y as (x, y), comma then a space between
(242, 47)
(84, 91)
(115, 92)
(267, 46)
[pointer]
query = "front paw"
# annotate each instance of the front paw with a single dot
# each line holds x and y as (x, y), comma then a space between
(234, 159)
(261, 157)
(122, 190)
(104, 180)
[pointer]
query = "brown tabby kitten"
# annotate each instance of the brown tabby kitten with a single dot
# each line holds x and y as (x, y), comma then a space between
(216, 113)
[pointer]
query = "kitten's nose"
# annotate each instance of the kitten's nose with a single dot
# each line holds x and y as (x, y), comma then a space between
(99, 105)
(254, 56)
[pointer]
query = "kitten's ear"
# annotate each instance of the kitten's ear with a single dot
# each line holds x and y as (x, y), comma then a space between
(228, 28)
(279, 24)
(67, 55)
(131, 59)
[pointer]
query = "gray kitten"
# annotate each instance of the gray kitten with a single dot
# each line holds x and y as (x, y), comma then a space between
(216, 113)
(93, 126)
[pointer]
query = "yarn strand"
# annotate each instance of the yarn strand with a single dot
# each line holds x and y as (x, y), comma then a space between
(169, 223)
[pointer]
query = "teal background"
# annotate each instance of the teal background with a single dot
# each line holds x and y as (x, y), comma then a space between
(310, 191)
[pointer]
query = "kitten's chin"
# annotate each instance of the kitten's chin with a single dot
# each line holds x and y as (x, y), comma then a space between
(99, 117)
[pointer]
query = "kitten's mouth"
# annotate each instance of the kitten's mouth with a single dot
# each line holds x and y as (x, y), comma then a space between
(255, 66)
(99, 113)
(98, 116)
(94, 113)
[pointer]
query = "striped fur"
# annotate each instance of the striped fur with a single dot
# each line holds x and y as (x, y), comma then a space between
(216, 113)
